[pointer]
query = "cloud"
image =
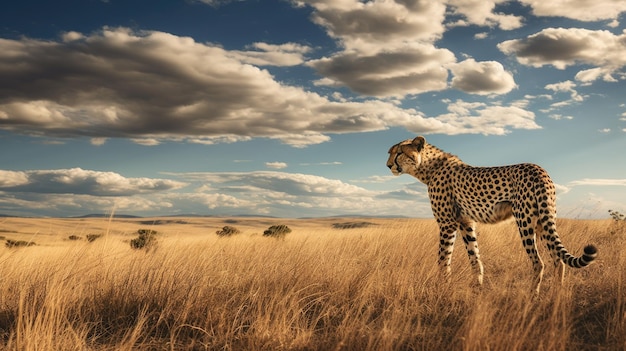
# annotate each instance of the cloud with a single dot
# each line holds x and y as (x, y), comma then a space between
(188, 202)
(566, 86)
(334, 163)
(10, 179)
(289, 54)
(288, 183)
(409, 192)
(563, 47)
(592, 74)
(563, 87)
(79, 181)
(411, 69)
(557, 116)
(598, 182)
(481, 118)
(482, 78)
(98, 141)
(152, 86)
(482, 35)
(579, 10)
(41, 204)
(276, 165)
(481, 12)
(388, 47)
(376, 179)
(146, 141)
(280, 193)
(367, 26)
(214, 3)
(590, 182)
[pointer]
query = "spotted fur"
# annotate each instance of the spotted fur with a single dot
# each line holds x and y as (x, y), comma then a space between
(462, 195)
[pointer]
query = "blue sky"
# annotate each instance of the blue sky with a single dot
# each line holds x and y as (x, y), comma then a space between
(287, 108)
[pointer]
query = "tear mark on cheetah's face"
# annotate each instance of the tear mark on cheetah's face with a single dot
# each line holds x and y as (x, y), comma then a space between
(405, 157)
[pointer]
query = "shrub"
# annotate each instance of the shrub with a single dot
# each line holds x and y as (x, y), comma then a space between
(74, 237)
(350, 225)
(93, 237)
(278, 231)
(617, 216)
(146, 240)
(618, 226)
(19, 243)
(228, 231)
(146, 232)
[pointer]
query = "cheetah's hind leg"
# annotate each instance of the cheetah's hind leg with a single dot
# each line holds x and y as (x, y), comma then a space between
(467, 230)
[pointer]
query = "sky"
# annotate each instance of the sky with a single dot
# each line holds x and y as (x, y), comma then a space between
(287, 108)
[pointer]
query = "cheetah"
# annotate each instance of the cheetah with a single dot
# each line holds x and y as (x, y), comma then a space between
(461, 195)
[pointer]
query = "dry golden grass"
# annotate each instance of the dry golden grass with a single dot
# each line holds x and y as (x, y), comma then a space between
(321, 288)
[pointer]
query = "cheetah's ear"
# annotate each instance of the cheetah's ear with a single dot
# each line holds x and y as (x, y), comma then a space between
(419, 142)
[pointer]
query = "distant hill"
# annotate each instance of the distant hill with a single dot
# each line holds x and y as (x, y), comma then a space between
(103, 215)
(356, 216)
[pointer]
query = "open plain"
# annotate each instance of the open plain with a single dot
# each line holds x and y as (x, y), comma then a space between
(330, 284)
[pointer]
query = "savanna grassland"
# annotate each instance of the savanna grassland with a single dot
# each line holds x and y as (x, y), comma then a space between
(372, 287)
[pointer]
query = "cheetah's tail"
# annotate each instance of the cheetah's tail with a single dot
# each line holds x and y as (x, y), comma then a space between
(589, 254)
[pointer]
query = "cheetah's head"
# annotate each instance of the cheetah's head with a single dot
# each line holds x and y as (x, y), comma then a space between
(405, 156)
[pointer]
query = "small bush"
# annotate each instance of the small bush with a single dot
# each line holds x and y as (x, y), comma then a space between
(228, 231)
(278, 231)
(146, 232)
(19, 243)
(618, 226)
(74, 237)
(617, 216)
(93, 237)
(146, 240)
(351, 225)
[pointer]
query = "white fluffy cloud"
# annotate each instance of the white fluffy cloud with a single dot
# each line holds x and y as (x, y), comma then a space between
(288, 183)
(276, 165)
(388, 46)
(77, 191)
(598, 182)
(12, 179)
(481, 118)
(214, 3)
(366, 26)
(581, 10)
(43, 204)
(563, 47)
(482, 78)
(481, 12)
(79, 181)
(289, 54)
(568, 87)
(411, 69)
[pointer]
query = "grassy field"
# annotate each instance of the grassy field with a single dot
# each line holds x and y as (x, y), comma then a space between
(375, 287)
